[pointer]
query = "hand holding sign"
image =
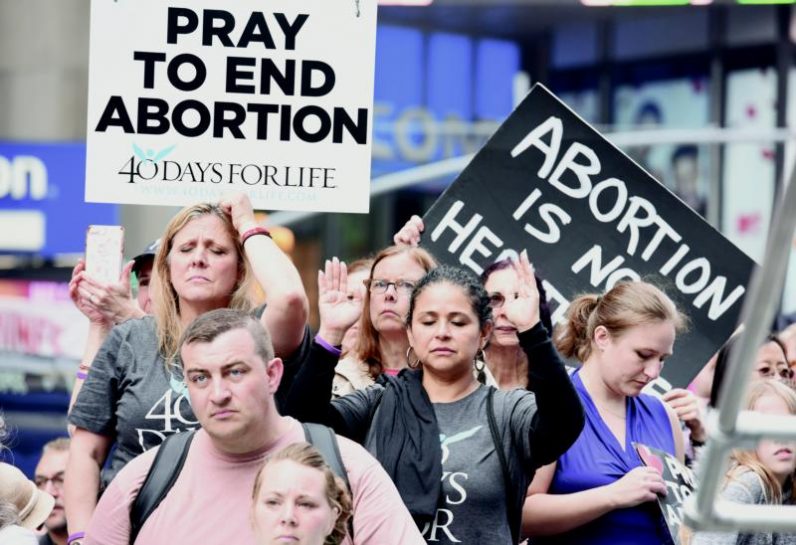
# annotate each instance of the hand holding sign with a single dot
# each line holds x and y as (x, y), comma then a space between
(523, 310)
(409, 235)
(639, 485)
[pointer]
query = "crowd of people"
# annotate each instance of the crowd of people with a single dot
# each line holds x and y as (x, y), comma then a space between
(430, 406)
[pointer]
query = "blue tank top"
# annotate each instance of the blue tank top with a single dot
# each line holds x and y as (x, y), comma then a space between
(597, 459)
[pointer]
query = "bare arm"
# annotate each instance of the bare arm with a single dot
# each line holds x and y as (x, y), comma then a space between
(104, 305)
(87, 453)
(288, 308)
(547, 514)
(677, 435)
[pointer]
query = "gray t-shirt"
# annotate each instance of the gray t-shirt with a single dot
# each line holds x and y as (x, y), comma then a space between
(473, 506)
(130, 395)
(745, 488)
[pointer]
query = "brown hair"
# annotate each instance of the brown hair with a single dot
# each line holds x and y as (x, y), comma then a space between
(747, 460)
(624, 306)
(368, 341)
(210, 325)
(336, 490)
(165, 300)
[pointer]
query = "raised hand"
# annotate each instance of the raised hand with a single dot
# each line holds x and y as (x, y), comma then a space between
(103, 304)
(639, 485)
(523, 309)
(409, 235)
(240, 210)
(337, 311)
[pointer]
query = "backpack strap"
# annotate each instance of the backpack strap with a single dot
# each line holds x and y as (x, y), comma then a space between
(504, 466)
(161, 477)
(324, 439)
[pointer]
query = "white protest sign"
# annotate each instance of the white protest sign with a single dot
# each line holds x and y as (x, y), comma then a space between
(189, 100)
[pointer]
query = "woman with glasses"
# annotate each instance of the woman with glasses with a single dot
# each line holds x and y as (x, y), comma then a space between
(382, 343)
(771, 361)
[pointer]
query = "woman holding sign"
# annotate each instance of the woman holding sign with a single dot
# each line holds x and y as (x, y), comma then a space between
(599, 491)
(134, 395)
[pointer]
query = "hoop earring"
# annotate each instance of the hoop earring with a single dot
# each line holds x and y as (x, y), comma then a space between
(412, 364)
(479, 364)
(480, 361)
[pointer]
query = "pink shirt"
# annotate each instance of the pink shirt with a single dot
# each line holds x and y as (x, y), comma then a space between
(211, 500)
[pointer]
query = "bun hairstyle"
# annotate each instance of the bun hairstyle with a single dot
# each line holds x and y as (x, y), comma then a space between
(624, 306)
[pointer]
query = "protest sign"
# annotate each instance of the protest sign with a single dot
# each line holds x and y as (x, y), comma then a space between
(589, 217)
(680, 483)
(188, 100)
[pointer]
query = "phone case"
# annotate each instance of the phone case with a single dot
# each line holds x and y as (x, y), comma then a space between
(104, 250)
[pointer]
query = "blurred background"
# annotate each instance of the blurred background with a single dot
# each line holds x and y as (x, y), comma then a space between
(700, 93)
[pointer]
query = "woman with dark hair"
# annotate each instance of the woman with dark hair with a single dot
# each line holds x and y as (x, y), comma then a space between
(505, 359)
(461, 454)
(771, 361)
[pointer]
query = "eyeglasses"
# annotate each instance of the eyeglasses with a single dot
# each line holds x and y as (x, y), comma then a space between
(380, 286)
(57, 480)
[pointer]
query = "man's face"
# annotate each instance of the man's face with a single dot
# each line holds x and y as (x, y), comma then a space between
(50, 478)
(231, 389)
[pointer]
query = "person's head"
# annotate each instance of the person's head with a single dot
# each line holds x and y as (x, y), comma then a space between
(502, 283)
(685, 166)
(449, 321)
(393, 275)
(232, 376)
(627, 333)
(49, 477)
(770, 362)
(201, 265)
(298, 499)
(773, 461)
(142, 269)
(32, 505)
(358, 273)
(788, 338)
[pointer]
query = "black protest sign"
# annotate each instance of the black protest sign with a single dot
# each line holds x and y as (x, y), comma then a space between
(589, 217)
(680, 483)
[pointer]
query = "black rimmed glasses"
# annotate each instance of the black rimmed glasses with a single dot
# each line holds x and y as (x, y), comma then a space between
(381, 286)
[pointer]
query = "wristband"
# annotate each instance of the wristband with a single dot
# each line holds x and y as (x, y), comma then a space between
(248, 233)
(328, 347)
(75, 537)
(81, 375)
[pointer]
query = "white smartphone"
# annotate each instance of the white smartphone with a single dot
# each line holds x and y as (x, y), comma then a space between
(104, 251)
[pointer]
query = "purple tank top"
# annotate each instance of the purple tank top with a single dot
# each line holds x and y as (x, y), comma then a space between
(597, 459)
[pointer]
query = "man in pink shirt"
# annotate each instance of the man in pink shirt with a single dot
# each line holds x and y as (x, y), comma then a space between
(232, 375)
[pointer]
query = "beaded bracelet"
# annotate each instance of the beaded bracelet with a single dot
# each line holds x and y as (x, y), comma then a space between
(75, 537)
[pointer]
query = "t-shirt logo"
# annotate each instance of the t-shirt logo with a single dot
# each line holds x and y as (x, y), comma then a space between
(445, 441)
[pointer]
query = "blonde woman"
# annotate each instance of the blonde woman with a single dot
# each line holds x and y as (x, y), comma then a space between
(134, 395)
(763, 475)
(297, 499)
